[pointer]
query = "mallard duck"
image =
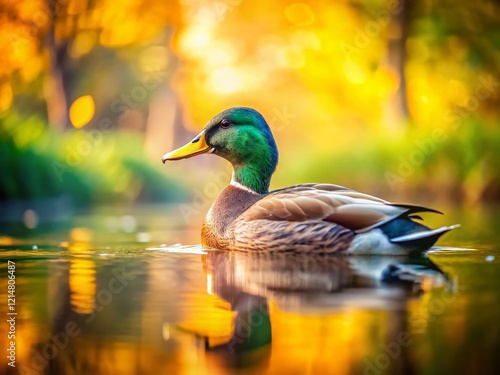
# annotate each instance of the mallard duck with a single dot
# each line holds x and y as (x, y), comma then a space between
(312, 217)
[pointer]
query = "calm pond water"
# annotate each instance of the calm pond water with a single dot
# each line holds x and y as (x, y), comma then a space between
(116, 294)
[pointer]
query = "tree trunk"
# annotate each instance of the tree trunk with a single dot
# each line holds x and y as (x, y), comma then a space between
(55, 89)
(396, 110)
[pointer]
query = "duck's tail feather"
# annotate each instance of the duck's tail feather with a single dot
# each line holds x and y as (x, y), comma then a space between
(411, 208)
(422, 239)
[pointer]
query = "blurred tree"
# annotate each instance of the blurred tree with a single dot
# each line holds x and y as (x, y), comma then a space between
(60, 35)
(355, 68)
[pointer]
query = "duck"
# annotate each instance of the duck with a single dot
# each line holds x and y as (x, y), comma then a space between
(305, 218)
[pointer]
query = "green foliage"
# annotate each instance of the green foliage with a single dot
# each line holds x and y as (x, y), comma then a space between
(462, 160)
(38, 163)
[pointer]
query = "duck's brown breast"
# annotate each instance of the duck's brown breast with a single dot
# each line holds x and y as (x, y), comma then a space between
(230, 204)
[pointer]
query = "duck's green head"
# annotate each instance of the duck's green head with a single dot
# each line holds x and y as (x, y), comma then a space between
(243, 137)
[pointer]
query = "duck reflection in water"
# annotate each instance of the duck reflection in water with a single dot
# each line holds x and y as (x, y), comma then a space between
(308, 284)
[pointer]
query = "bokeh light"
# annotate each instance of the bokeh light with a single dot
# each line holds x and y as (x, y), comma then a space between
(81, 111)
(376, 78)
(6, 96)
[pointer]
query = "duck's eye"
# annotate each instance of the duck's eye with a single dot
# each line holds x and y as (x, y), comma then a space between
(225, 123)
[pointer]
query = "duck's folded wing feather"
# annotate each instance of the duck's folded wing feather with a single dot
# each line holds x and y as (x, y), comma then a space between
(313, 186)
(321, 188)
(350, 209)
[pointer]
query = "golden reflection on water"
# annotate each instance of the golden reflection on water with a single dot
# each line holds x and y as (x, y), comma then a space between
(82, 285)
(81, 273)
(225, 313)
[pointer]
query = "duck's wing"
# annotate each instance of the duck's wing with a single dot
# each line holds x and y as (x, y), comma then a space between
(328, 203)
(312, 186)
(327, 218)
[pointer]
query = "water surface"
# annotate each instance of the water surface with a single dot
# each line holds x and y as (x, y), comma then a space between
(120, 296)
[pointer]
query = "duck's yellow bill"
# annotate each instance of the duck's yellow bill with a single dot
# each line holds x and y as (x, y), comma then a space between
(196, 147)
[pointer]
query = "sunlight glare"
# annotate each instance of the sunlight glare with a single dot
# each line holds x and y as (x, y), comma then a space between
(195, 41)
(221, 54)
(225, 80)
